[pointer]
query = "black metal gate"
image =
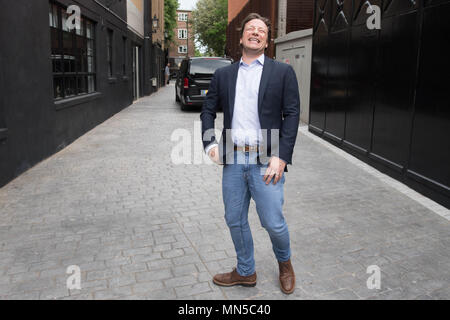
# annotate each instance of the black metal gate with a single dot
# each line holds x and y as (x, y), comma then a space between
(382, 94)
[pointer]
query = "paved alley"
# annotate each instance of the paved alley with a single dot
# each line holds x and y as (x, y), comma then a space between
(139, 226)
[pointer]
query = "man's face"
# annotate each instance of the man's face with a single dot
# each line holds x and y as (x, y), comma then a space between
(255, 36)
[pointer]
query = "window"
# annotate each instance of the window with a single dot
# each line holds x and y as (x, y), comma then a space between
(109, 52)
(182, 17)
(72, 55)
(182, 33)
(124, 67)
(182, 49)
(207, 66)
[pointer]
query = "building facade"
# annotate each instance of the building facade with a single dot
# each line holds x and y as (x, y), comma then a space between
(381, 94)
(286, 16)
(294, 15)
(234, 7)
(57, 83)
(137, 14)
(159, 51)
(183, 45)
(158, 13)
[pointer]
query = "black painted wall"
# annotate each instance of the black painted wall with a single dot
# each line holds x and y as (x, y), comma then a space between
(37, 127)
(382, 95)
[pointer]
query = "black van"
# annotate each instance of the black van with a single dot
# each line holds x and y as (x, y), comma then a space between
(194, 78)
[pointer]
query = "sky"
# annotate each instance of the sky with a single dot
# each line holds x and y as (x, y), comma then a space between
(187, 4)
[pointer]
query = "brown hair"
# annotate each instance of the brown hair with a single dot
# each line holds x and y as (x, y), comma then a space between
(252, 16)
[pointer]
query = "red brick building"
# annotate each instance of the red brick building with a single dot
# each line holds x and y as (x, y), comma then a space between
(289, 15)
(299, 14)
(234, 7)
(183, 45)
(266, 8)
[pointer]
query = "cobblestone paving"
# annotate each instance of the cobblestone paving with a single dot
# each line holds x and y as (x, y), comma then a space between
(140, 227)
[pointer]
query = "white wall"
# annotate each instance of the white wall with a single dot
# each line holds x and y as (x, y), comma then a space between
(295, 48)
(135, 16)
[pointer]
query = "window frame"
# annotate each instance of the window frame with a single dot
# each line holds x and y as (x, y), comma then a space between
(110, 52)
(125, 56)
(184, 50)
(184, 34)
(74, 67)
(183, 16)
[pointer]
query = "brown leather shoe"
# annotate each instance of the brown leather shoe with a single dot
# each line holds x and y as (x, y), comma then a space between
(287, 277)
(234, 278)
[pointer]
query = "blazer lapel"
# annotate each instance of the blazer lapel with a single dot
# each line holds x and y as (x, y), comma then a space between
(267, 70)
(232, 88)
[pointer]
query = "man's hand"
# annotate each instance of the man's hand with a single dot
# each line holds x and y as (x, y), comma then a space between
(274, 171)
(214, 154)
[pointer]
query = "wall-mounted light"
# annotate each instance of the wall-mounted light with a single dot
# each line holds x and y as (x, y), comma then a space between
(155, 21)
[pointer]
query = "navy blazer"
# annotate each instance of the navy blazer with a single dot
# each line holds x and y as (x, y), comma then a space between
(278, 108)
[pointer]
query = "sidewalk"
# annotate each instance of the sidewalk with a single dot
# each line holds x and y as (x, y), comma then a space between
(140, 227)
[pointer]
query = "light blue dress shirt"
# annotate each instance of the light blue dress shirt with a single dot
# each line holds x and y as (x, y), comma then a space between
(246, 129)
(245, 125)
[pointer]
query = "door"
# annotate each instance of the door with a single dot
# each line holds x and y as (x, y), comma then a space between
(136, 84)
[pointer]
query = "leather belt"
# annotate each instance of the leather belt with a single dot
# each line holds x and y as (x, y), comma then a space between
(247, 148)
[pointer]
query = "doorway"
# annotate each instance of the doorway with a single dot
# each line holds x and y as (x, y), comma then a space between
(136, 73)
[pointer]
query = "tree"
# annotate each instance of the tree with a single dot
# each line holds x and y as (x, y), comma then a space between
(209, 23)
(170, 18)
(198, 53)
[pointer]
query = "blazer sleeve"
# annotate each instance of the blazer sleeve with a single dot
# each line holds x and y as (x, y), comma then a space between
(209, 111)
(291, 116)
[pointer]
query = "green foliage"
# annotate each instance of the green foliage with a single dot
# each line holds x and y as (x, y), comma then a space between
(170, 18)
(209, 22)
(198, 53)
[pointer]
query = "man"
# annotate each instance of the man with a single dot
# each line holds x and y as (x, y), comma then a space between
(167, 73)
(258, 95)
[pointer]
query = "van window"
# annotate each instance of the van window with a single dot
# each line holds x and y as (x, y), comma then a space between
(207, 66)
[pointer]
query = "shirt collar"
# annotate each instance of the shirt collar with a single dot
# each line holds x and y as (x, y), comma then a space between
(260, 59)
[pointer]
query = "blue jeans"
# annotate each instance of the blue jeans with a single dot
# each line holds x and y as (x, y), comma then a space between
(244, 180)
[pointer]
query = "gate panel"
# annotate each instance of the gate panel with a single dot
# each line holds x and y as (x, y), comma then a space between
(395, 91)
(430, 150)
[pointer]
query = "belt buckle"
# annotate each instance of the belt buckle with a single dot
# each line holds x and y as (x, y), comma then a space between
(249, 148)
